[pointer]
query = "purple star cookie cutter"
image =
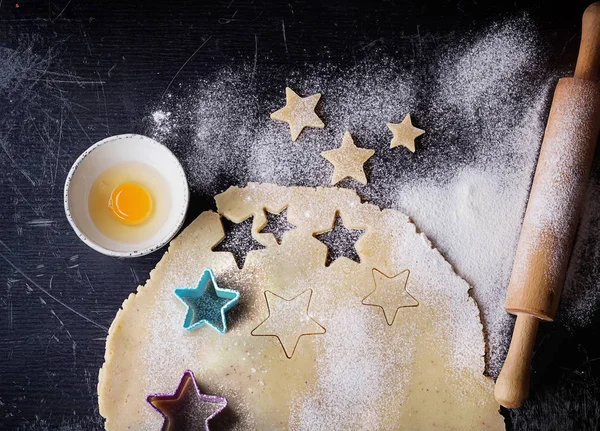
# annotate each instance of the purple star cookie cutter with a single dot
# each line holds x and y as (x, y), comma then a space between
(170, 406)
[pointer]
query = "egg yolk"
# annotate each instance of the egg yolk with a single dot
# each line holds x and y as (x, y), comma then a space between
(130, 203)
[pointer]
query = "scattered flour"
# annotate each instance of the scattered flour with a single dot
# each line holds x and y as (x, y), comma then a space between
(581, 294)
(162, 125)
(483, 104)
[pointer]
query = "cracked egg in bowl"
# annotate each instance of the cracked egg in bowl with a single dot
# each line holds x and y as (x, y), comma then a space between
(126, 196)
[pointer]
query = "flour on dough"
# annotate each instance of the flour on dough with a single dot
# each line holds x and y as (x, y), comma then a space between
(424, 370)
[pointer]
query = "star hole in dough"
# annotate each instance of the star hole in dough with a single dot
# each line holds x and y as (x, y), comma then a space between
(183, 409)
(238, 240)
(390, 294)
(299, 112)
(277, 224)
(348, 160)
(288, 320)
(340, 241)
(404, 134)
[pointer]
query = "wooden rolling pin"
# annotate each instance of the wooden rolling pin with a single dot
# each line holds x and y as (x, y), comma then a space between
(553, 209)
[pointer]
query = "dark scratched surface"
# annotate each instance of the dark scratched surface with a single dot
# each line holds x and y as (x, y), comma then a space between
(73, 72)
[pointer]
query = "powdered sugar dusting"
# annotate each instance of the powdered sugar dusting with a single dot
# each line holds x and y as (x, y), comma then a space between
(347, 381)
(581, 295)
(483, 105)
(162, 124)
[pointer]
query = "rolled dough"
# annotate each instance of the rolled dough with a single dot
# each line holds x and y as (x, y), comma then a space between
(423, 370)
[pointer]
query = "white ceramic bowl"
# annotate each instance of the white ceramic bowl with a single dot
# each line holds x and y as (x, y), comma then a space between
(105, 154)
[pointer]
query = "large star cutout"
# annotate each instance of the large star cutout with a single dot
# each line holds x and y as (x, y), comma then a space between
(348, 160)
(207, 303)
(299, 112)
(288, 320)
(238, 240)
(404, 134)
(390, 294)
(340, 241)
(187, 408)
(277, 224)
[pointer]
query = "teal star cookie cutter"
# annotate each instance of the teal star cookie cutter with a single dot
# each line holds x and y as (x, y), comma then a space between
(207, 303)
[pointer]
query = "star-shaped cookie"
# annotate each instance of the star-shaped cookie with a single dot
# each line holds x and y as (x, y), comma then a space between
(299, 112)
(187, 408)
(207, 303)
(348, 160)
(288, 320)
(404, 134)
(390, 294)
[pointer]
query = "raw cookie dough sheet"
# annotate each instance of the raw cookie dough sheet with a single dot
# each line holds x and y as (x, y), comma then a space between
(423, 370)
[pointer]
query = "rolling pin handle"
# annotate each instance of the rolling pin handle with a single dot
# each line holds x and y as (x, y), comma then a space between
(588, 60)
(512, 386)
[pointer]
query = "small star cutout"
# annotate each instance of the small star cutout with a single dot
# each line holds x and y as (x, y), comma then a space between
(187, 408)
(404, 134)
(207, 303)
(299, 112)
(288, 320)
(390, 294)
(340, 241)
(277, 224)
(238, 240)
(348, 160)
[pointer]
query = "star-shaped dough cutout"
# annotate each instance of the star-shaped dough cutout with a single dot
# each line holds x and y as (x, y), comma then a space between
(404, 134)
(390, 294)
(288, 320)
(207, 303)
(299, 112)
(187, 408)
(348, 160)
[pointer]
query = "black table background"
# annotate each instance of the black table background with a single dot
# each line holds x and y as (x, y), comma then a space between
(74, 72)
